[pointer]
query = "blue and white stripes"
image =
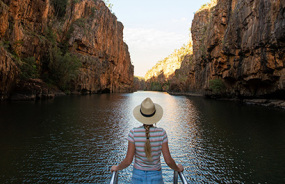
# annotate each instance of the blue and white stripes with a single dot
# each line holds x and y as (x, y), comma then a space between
(157, 137)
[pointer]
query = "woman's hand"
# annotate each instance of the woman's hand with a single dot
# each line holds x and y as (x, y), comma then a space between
(180, 168)
(114, 168)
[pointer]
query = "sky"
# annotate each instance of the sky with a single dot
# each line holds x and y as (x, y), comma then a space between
(153, 29)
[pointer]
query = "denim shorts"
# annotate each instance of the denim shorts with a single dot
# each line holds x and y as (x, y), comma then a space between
(147, 177)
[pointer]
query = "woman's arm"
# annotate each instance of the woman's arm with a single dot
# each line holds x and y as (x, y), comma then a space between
(169, 160)
(128, 160)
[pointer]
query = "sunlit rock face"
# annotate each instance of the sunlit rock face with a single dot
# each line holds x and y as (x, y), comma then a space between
(242, 43)
(158, 77)
(162, 71)
(166, 67)
(88, 29)
(105, 57)
(238, 42)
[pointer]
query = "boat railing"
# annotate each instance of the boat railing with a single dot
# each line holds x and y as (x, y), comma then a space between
(181, 176)
(114, 178)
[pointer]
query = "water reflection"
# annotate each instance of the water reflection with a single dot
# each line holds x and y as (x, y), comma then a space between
(76, 139)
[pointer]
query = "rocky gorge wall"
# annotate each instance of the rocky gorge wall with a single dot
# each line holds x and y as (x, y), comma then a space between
(238, 51)
(85, 29)
(160, 76)
(241, 43)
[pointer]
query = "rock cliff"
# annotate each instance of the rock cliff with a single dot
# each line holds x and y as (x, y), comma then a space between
(8, 74)
(238, 50)
(158, 77)
(241, 43)
(49, 30)
(139, 83)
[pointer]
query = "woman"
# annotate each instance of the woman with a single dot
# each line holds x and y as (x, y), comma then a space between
(146, 143)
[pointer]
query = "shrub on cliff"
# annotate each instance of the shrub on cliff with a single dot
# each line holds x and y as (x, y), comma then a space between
(166, 86)
(29, 68)
(168, 65)
(63, 69)
(60, 67)
(59, 7)
(108, 4)
(155, 86)
(217, 86)
(138, 83)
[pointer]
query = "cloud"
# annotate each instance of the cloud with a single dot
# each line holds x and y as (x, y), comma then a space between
(180, 20)
(148, 45)
(145, 38)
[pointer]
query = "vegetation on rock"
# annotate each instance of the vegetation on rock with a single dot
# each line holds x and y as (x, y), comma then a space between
(63, 68)
(217, 86)
(168, 65)
(247, 65)
(139, 83)
(49, 41)
(158, 78)
(208, 5)
(59, 7)
(29, 68)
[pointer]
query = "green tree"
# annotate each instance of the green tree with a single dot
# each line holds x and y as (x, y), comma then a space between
(63, 69)
(59, 7)
(217, 86)
(155, 86)
(108, 4)
(29, 69)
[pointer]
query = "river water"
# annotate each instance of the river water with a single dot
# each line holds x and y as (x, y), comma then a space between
(76, 139)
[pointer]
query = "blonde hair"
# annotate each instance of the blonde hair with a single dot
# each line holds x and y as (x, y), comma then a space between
(147, 147)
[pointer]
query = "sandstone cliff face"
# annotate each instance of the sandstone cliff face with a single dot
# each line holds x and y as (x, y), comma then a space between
(238, 51)
(8, 73)
(87, 29)
(157, 78)
(241, 43)
(106, 60)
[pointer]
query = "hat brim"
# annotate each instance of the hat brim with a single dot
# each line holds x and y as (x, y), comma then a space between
(148, 120)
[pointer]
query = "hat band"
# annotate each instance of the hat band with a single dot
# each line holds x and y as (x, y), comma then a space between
(147, 115)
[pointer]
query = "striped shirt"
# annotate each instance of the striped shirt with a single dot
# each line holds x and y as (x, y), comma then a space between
(157, 137)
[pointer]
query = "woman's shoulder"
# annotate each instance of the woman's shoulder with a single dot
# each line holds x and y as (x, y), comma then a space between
(137, 128)
(159, 129)
(141, 128)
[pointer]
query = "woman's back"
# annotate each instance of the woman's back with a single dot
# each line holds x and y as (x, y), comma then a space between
(157, 136)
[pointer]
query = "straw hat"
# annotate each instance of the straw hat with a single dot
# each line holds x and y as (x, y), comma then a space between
(148, 112)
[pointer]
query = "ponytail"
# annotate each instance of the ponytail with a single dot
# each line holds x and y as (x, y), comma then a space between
(147, 147)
